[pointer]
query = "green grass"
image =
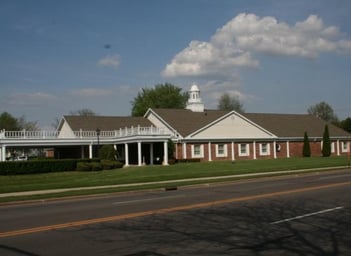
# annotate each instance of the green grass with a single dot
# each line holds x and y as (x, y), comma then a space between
(159, 173)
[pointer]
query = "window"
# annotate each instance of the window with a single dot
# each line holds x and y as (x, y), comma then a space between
(197, 151)
(221, 150)
(244, 149)
(345, 146)
(264, 149)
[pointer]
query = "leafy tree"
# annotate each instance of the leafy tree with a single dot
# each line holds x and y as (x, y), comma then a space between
(161, 96)
(227, 102)
(83, 112)
(11, 123)
(324, 111)
(108, 152)
(346, 124)
(326, 149)
(306, 152)
(80, 112)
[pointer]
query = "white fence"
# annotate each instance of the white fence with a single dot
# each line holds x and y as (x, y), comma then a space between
(131, 131)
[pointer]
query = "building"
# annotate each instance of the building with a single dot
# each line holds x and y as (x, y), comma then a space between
(197, 133)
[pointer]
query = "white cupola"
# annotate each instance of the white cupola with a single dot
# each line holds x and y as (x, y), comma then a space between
(194, 102)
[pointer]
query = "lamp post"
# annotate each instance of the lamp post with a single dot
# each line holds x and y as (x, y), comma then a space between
(98, 139)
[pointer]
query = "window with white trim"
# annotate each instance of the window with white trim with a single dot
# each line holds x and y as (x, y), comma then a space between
(332, 147)
(197, 151)
(221, 150)
(265, 149)
(344, 146)
(244, 149)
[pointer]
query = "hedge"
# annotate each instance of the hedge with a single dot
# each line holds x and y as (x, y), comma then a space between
(64, 165)
(37, 166)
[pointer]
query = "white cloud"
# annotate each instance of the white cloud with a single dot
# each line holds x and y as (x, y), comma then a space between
(37, 98)
(236, 44)
(110, 61)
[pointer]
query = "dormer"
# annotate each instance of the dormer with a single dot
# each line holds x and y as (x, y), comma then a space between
(194, 102)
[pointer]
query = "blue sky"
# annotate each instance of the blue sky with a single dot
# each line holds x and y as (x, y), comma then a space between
(276, 56)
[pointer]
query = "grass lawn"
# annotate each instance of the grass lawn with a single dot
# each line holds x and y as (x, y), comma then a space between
(160, 173)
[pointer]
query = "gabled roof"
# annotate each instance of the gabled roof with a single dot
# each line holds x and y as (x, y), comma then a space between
(104, 123)
(294, 125)
(185, 121)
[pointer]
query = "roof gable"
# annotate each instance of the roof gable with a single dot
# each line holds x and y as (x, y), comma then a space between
(233, 125)
(186, 122)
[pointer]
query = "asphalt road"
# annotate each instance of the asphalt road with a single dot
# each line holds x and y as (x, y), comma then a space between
(296, 215)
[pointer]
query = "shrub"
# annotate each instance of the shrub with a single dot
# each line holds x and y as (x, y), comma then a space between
(107, 152)
(37, 166)
(306, 152)
(83, 167)
(108, 164)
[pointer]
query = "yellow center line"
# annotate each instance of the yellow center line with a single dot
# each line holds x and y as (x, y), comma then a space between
(165, 210)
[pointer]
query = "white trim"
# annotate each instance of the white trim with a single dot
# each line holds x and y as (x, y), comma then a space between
(345, 146)
(201, 153)
(233, 152)
(225, 150)
(209, 152)
(247, 149)
(254, 150)
(268, 149)
(226, 116)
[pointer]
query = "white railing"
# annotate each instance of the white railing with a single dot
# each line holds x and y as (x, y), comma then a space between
(131, 131)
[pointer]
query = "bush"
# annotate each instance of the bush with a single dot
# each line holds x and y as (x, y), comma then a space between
(37, 166)
(83, 167)
(107, 152)
(108, 164)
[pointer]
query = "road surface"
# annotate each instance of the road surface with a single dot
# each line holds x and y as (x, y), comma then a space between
(295, 215)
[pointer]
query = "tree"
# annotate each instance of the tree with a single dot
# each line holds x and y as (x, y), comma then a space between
(306, 152)
(161, 96)
(11, 123)
(324, 111)
(326, 149)
(227, 102)
(346, 124)
(83, 112)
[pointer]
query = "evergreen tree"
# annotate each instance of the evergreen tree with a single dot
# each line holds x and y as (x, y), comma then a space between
(306, 146)
(326, 149)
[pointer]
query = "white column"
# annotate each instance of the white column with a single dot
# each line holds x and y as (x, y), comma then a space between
(139, 154)
(165, 153)
(287, 149)
(254, 150)
(209, 152)
(184, 150)
(338, 147)
(152, 153)
(126, 154)
(233, 152)
(274, 149)
(91, 151)
(3, 153)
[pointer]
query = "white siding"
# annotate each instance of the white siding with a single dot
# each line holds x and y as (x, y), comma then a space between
(66, 131)
(235, 127)
(157, 122)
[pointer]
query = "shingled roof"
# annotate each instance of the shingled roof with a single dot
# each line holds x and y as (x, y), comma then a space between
(294, 125)
(105, 123)
(185, 121)
(282, 125)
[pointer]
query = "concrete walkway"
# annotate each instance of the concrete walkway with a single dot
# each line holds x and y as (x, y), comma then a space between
(52, 191)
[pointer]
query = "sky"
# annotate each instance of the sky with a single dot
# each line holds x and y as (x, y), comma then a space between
(275, 56)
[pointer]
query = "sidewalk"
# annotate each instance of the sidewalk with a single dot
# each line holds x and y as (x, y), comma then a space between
(52, 191)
